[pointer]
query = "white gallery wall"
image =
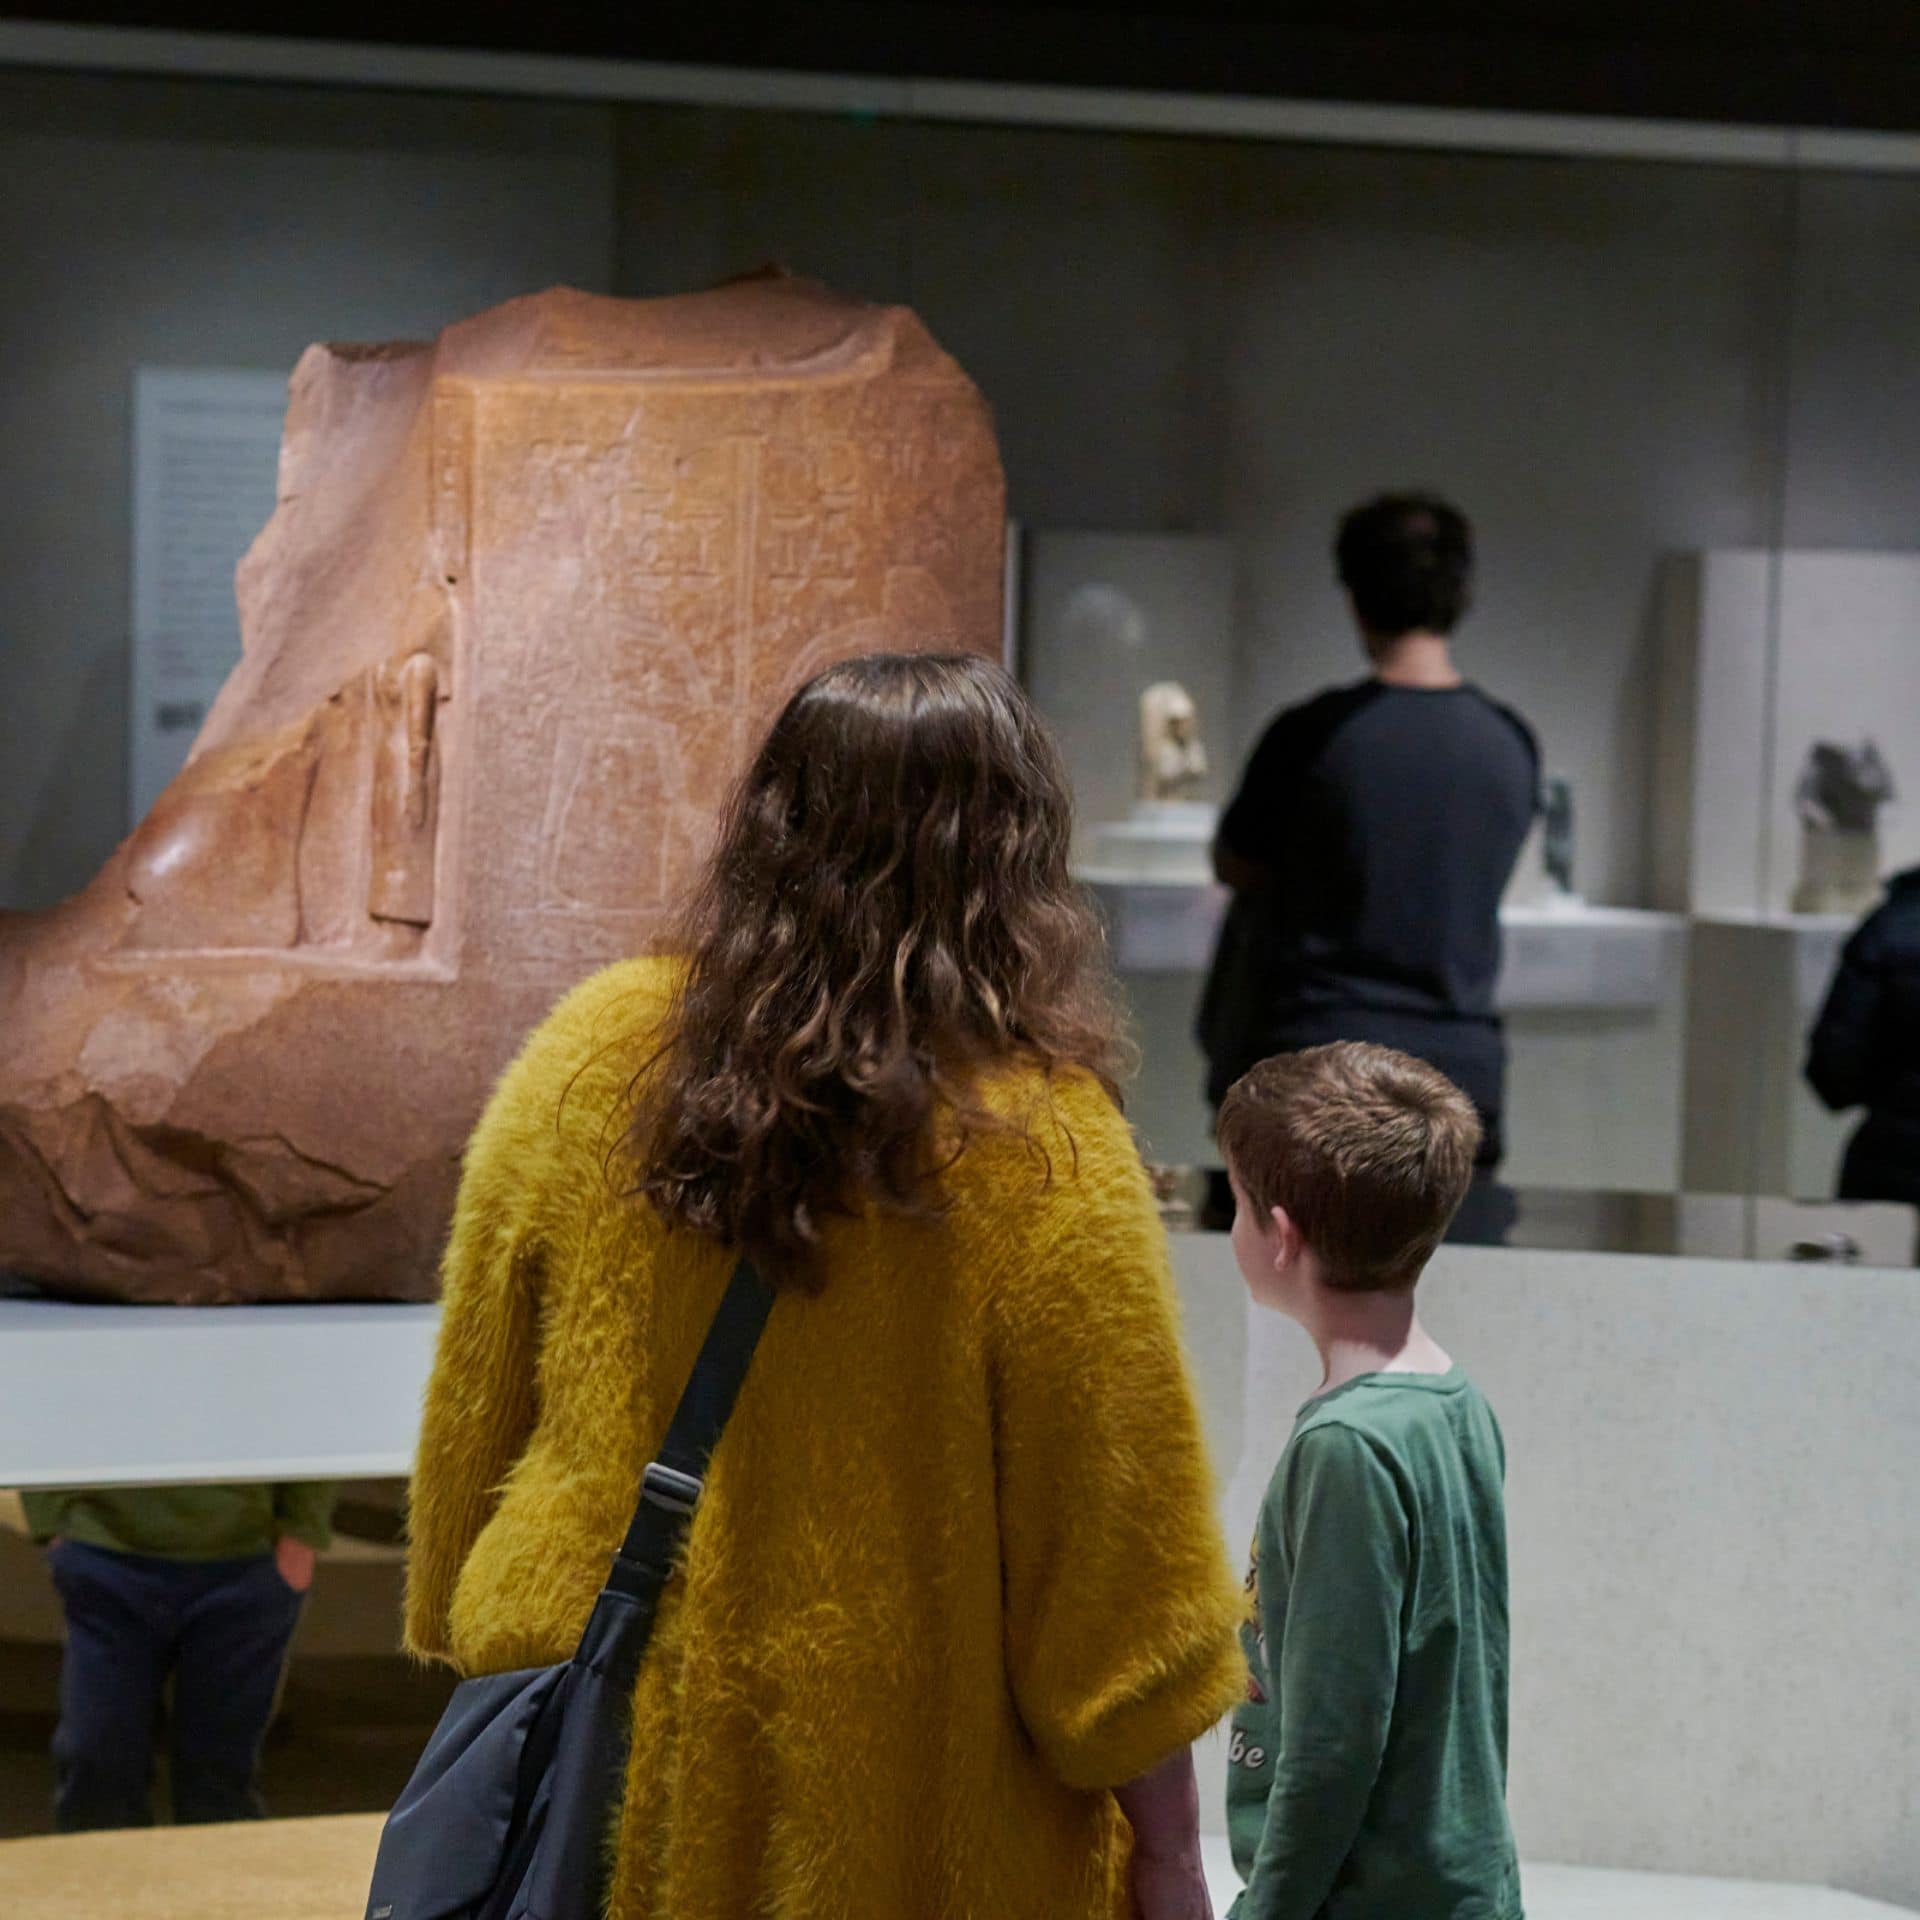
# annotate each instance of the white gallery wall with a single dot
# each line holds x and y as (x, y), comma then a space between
(196, 224)
(1853, 396)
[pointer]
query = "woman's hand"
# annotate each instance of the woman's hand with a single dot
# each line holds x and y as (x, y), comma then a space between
(1170, 1889)
(1163, 1809)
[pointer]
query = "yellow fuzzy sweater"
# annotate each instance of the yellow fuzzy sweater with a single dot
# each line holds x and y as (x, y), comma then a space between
(957, 1570)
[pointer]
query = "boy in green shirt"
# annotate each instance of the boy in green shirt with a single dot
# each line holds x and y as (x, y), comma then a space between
(197, 1586)
(1367, 1767)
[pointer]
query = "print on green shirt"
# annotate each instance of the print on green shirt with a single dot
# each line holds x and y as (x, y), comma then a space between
(1367, 1765)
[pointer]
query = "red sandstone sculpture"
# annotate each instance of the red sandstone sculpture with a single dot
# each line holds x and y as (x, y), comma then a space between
(529, 596)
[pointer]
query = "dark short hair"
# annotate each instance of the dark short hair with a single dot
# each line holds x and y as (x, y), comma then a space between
(1407, 560)
(1370, 1152)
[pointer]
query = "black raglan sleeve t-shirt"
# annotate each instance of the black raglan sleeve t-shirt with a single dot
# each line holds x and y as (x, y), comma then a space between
(1388, 820)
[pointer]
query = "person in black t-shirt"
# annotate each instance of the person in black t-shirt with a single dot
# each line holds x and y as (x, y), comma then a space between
(1375, 829)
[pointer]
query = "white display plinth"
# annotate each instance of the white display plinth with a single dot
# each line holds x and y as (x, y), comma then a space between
(1556, 956)
(1580, 957)
(1157, 925)
(1164, 841)
(1645, 1522)
(161, 1396)
(1756, 985)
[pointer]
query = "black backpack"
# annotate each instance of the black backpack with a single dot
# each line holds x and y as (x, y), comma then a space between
(509, 1815)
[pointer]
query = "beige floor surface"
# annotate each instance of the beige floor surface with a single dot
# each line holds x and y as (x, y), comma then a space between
(318, 1870)
(267, 1870)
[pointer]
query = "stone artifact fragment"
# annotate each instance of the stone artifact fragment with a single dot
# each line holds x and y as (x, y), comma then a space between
(1838, 798)
(1173, 758)
(529, 596)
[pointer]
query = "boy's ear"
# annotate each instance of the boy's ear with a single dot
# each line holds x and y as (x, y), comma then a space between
(1285, 1237)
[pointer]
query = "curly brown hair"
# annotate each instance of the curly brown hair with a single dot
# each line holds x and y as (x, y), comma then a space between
(887, 913)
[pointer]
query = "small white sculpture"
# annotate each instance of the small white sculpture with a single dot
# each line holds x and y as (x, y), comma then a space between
(1173, 758)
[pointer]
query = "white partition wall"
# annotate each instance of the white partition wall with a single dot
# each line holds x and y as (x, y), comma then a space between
(1755, 990)
(1714, 1539)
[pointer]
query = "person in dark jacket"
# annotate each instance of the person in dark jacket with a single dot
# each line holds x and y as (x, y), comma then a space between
(1865, 1049)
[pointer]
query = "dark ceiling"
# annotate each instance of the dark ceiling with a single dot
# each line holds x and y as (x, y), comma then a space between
(1844, 63)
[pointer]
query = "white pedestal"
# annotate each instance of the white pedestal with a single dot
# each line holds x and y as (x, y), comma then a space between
(1595, 1005)
(1168, 842)
(1752, 1123)
(163, 1396)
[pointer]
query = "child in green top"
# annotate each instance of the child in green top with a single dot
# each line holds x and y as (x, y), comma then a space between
(184, 1594)
(1368, 1764)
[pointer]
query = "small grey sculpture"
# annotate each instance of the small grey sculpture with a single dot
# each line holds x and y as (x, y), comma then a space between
(1557, 840)
(1838, 798)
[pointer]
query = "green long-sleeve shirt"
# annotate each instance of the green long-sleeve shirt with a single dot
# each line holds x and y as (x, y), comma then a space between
(1368, 1765)
(188, 1523)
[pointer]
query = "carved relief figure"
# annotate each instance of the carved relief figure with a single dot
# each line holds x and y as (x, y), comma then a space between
(406, 793)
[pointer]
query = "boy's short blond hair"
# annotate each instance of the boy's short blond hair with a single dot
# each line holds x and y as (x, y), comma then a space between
(1369, 1151)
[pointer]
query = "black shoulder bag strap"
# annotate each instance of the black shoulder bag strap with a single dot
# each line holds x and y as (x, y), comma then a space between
(574, 1761)
(670, 1488)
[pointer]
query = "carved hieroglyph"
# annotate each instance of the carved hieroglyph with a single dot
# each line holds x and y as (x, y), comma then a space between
(529, 597)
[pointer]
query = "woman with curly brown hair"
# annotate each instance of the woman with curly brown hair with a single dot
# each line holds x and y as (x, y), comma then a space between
(954, 1604)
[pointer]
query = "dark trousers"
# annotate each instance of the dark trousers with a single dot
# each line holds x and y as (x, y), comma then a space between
(218, 1629)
